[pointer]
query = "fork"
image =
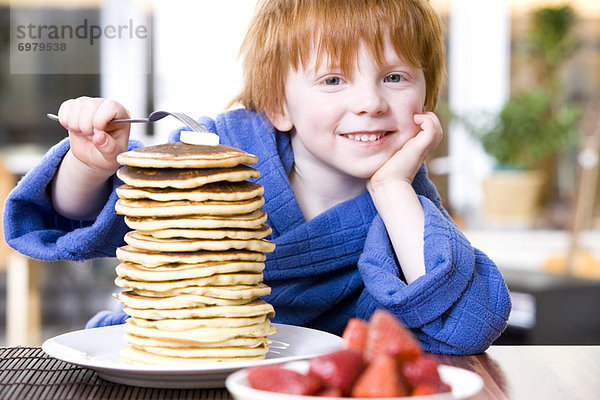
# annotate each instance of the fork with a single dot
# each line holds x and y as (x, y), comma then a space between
(155, 116)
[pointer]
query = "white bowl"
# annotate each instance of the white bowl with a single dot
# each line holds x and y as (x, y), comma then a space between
(465, 384)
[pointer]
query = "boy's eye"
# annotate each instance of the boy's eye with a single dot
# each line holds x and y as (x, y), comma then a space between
(333, 80)
(394, 78)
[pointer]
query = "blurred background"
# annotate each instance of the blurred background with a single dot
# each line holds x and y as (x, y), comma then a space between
(517, 169)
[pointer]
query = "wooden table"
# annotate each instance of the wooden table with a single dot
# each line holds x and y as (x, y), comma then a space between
(509, 372)
(535, 372)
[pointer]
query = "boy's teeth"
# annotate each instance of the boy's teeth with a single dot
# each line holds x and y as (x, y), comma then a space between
(365, 138)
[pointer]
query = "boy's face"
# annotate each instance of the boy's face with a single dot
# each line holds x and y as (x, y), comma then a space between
(353, 124)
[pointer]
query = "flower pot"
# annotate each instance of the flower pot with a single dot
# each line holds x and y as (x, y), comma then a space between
(512, 198)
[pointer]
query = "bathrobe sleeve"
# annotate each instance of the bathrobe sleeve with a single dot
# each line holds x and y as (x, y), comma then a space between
(34, 228)
(460, 305)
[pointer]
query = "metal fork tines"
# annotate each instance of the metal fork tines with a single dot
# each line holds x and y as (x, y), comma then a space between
(155, 116)
(189, 121)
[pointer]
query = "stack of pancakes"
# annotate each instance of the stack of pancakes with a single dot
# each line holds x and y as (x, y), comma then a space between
(192, 266)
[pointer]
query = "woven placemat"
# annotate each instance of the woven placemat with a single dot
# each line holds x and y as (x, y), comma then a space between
(29, 373)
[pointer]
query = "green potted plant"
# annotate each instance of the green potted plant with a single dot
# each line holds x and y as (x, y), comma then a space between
(529, 130)
(527, 134)
(533, 127)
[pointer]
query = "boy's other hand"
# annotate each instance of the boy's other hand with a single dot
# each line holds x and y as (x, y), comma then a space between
(405, 163)
(94, 142)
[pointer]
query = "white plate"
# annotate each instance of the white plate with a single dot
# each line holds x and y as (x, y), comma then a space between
(99, 349)
(465, 384)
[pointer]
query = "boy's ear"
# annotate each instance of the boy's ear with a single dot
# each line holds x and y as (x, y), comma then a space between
(280, 119)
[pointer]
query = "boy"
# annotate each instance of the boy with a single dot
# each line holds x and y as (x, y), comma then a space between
(338, 100)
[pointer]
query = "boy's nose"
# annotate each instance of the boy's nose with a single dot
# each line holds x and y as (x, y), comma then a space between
(369, 100)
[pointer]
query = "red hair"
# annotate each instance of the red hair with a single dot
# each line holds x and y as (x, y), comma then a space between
(283, 33)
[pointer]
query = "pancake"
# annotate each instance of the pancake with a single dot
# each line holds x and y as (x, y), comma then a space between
(231, 292)
(192, 267)
(183, 178)
(183, 155)
(223, 191)
(138, 272)
(204, 334)
(134, 300)
(213, 280)
(185, 324)
(154, 258)
(141, 341)
(253, 220)
(215, 234)
(136, 355)
(150, 243)
(253, 308)
(207, 352)
(151, 208)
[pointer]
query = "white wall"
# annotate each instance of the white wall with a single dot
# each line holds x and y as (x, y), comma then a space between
(124, 64)
(478, 81)
(194, 58)
(196, 65)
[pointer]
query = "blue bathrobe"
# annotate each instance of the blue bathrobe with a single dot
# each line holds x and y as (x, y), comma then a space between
(339, 265)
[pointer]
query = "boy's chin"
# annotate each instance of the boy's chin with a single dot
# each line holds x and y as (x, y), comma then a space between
(362, 173)
(365, 169)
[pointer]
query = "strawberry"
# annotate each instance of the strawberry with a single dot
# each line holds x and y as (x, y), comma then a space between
(422, 374)
(382, 378)
(387, 335)
(331, 392)
(423, 389)
(338, 369)
(422, 370)
(355, 335)
(275, 378)
(444, 388)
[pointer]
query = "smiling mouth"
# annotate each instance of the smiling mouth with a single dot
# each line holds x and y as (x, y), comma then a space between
(365, 137)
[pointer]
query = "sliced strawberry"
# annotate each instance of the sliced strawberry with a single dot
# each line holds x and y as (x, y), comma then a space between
(424, 389)
(381, 378)
(444, 388)
(331, 392)
(355, 335)
(387, 335)
(422, 370)
(275, 378)
(338, 369)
